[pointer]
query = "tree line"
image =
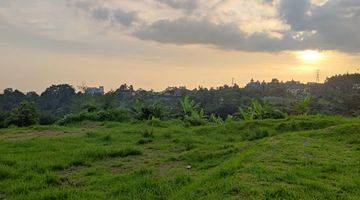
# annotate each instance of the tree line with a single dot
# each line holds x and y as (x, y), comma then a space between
(339, 95)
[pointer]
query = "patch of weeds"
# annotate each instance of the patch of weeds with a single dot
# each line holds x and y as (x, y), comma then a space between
(104, 153)
(5, 173)
(57, 167)
(230, 139)
(256, 134)
(143, 172)
(50, 194)
(148, 132)
(167, 135)
(188, 144)
(176, 140)
(279, 193)
(52, 179)
(182, 180)
(91, 134)
(78, 162)
(7, 162)
(145, 141)
(331, 168)
(107, 138)
(225, 172)
(156, 122)
(204, 130)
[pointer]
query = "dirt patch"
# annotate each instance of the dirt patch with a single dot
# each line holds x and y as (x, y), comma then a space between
(30, 135)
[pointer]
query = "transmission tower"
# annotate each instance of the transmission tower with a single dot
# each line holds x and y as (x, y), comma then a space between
(318, 76)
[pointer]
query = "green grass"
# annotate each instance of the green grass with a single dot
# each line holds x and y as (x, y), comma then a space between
(314, 157)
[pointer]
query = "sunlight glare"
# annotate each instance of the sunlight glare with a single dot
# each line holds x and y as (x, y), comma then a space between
(309, 56)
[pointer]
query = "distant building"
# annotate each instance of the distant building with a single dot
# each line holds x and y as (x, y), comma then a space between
(94, 90)
(253, 85)
(356, 86)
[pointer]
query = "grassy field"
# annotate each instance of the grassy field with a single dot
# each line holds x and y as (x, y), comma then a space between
(313, 157)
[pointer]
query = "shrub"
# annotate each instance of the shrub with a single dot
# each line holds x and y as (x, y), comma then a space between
(191, 114)
(303, 107)
(215, 119)
(2, 119)
(230, 119)
(256, 134)
(273, 113)
(194, 120)
(46, 118)
(155, 122)
(148, 132)
(23, 115)
(90, 108)
(118, 115)
(259, 111)
(146, 111)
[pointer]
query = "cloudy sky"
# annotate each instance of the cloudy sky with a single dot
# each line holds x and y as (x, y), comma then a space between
(160, 43)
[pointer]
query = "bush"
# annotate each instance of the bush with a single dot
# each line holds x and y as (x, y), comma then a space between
(259, 112)
(155, 122)
(215, 119)
(194, 120)
(273, 113)
(148, 132)
(192, 115)
(2, 119)
(146, 111)
(256, 134)
(23, 115)
(46, 118)
(303, 107)
(117, 115)
(90, 108)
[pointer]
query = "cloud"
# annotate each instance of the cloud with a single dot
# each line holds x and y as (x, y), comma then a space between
(324, 25)
(184, 31)
(124, 18)
(242, 25)
(295, 13)
(187, 5)
(336, 23)
(100, 12)
(116, 16)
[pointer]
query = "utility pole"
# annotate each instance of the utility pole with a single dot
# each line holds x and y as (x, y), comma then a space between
(232, 82)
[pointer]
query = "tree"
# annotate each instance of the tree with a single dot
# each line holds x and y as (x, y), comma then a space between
(303, 107)
(23, 115)
(147, 111)
(58, 99)
(192, 114)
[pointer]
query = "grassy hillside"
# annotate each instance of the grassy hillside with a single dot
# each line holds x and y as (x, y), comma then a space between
(297, 158)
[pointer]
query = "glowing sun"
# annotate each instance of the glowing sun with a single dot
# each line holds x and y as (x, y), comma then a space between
(309, 56)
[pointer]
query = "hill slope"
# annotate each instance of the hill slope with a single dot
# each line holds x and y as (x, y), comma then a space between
(304, 157)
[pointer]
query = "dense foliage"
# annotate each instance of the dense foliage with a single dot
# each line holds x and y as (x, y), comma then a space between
(339, 95)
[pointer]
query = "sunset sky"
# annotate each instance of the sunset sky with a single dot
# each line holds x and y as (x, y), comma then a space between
(153, 44)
